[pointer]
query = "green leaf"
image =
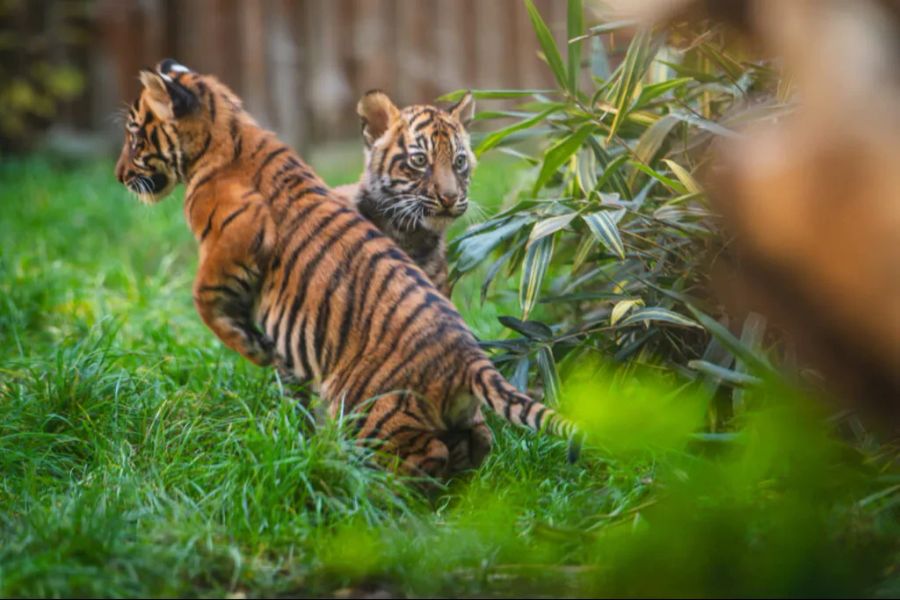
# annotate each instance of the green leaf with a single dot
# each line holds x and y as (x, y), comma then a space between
(530, 329)
(548, 44)
(658, 314)
(582, 252)
(603, 226)
(545, 227)
(475, 248)
(686, 179)
(723, 374)
(534, 267)
(496, 137)
(586, 163)
(652, 139)
(455, 95)
(611, 169)
(560, 153)
(495, 268)
(549, 375)
(621, 309)
(670, 183)
(520, 376)
(651, 92)
(754, 360)
(574, 29)
(630, 72)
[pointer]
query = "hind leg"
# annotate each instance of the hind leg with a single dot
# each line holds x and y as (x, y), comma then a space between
(469, 446)
(404, 428)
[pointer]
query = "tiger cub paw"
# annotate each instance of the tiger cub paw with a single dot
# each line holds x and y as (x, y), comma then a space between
(260, 350)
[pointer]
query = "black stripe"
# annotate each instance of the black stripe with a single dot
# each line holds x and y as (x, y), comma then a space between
(236, 138)
(193, 159)
(220, 289)
(257, 176)
(319, 228)
(233, 216)
(259, 146)
(208, 227)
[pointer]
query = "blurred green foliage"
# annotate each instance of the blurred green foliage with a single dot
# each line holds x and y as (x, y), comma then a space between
(36, 75)
(611, 239)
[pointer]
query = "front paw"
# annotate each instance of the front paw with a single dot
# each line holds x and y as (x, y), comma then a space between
(261, 351)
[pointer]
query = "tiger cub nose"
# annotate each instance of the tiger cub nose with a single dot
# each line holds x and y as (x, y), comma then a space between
(448, 200)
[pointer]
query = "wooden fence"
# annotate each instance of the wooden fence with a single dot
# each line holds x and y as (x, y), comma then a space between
(300, 65)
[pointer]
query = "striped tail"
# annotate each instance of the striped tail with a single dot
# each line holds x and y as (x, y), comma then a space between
(489, 386)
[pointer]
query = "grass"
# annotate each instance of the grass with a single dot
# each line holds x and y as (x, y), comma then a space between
(139, 457)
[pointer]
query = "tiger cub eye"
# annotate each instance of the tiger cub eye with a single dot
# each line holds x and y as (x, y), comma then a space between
(417, 160)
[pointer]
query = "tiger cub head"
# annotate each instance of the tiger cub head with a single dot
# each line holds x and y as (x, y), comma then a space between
(178, 117)
(418, 161)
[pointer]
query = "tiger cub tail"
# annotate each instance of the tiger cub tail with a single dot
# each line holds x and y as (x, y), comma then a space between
(491, 388)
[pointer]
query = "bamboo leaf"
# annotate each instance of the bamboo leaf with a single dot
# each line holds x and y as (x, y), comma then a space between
(520, 376)
(582, 252)
(686, 179)
(651, 92)
(574, 29)
(652, 139)
(475, 248)
(546, 227)
(495, 268)
(721, 373)
(604, 228)
(670, 183)
(548, 44)
(455, 95)
(560, 153)
(621, 309)
(637, 60)
(658, 314)
(586, 163)
(534, 267)
(611, 169)
(755, 360)
(549, 375)
(497, 136)
(534, 330)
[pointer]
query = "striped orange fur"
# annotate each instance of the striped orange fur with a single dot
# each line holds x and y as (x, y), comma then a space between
(291, 275)
(416, 177)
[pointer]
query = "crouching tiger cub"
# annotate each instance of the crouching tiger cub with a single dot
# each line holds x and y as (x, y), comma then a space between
(416, 176)
(291, 275)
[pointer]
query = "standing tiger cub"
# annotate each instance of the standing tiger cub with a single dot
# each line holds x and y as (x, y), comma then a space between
(416, 178)
(292, 276)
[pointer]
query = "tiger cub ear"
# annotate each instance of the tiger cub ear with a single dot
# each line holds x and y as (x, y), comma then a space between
(167, 99)
(464, 110)
(378, 113)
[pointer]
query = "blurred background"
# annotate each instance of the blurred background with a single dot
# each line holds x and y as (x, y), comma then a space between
(300, 66)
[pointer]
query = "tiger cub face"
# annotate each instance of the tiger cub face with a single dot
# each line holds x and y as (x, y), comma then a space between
(418, 161)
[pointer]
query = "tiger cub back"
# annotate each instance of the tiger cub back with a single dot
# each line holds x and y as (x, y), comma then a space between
(418, 164)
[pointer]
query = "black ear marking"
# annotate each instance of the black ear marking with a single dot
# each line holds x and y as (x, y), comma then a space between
(184, 101)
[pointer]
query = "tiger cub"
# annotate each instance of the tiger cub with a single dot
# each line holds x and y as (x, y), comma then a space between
(416, 177)
(290, 275)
